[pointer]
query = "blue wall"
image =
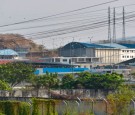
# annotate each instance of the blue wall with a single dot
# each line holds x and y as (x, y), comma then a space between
(60, 70)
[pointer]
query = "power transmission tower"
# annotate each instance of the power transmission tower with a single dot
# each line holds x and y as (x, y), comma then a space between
(109, 25)
(123, 31)
(114, 27)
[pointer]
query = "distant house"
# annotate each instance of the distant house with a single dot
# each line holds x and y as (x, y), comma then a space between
(22, 51)
(8, 54)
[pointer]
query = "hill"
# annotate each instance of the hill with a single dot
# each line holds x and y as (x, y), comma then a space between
(14, 41)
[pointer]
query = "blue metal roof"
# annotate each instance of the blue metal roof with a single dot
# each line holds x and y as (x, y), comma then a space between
(92, 45)
(114, 45)
(128, 45)
(7, 52)
(84, 45)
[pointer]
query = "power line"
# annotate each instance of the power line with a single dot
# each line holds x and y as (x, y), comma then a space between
(74, 30)
(89, 24)
(57, 24)
(36, 19)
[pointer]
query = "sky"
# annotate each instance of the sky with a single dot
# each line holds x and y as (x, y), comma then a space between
(14, 11)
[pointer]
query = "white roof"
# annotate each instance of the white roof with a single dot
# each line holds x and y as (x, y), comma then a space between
(7, 52)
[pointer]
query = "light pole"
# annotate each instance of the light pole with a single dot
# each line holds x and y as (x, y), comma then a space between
(90, 38)
(53, 48)
(61, 46)
(72, 55)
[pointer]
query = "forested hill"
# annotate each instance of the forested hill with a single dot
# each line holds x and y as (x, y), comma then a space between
(16, 40)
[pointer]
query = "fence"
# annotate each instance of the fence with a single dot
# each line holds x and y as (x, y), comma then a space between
(71, 107)
(61, 93)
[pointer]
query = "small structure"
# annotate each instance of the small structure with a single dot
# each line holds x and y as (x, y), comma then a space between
(8, 54)
(83, 62)
(60, 68)
(22, 51)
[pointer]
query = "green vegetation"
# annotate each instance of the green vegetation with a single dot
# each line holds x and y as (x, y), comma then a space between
(67, 81)
(4, 85)
(84, 80)
(87, 80)
(41, 107)
(119, 102)
(47, 81)
(15, 73)
(14, 108)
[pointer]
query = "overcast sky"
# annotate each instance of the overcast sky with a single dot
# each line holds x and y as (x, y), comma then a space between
(12, 11)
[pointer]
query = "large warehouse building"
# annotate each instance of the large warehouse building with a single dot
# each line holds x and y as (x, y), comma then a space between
(107, 53)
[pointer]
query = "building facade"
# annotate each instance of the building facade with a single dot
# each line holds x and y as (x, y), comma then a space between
(106, 54)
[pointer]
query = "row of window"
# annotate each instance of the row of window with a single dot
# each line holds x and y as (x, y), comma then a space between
(128, 51)
(128, 56)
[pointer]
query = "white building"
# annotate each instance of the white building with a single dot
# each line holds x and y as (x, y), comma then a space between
(83, 62)
(127, 54)
(127, 51)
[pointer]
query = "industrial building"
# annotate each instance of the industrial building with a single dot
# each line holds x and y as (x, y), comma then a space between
(110, 53)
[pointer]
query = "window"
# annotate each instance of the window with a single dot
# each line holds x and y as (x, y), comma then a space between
(57, 60)
(123, 56)
(64, 60)
(127, 51)
(127, 56)
(52, 60)
(81, 59)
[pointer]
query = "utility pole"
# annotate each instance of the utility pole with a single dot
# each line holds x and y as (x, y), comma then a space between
(114, 27)
(123, 33)
(53, 48)
(72, 56)
(109, 25)
(42, 48)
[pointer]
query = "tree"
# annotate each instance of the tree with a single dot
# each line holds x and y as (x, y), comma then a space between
(101, 81)
(67, 81)
(37, 82)
(87, 80)
(81, 80)
(47, 81)
(15, 73)
(50, 80)
(4, 86)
